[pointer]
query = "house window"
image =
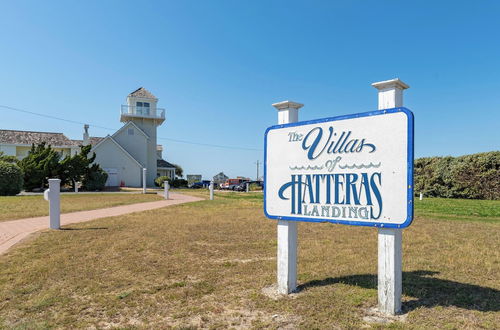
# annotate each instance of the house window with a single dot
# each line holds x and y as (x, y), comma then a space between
(130, 131)
(142, 108)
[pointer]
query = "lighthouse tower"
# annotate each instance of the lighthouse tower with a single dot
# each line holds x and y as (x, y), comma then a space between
(141, 109)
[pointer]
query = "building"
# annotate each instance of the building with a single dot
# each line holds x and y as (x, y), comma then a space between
(18, 143)
(220, 178)
(123, 155)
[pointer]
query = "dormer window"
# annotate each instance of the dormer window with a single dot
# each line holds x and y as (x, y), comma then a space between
(142, 108)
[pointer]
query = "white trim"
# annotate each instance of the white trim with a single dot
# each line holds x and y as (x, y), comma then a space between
(119, 146)
(131, 123)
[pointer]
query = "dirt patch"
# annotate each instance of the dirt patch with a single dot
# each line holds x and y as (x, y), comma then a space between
(373, 316)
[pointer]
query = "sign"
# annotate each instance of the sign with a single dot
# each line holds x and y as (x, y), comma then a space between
(192, 178)
(354, 169)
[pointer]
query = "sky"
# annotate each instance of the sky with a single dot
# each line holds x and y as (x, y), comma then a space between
(217, 66)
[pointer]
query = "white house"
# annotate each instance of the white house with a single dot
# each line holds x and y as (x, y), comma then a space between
(122, 155)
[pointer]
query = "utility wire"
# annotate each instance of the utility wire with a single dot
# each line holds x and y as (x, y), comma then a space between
(114, 129)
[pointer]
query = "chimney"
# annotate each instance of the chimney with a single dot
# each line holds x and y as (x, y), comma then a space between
(86, 139)
(159, 151)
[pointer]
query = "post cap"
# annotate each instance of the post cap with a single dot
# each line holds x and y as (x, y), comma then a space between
(287, 105)
(393, 83)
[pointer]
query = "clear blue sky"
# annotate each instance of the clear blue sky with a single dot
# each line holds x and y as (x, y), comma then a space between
(217, 66)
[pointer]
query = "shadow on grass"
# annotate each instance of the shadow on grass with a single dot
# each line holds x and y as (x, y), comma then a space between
(88, 228)
(428, 291)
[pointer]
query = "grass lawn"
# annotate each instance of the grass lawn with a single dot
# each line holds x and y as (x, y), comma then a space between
(205, 264)
(18, 207)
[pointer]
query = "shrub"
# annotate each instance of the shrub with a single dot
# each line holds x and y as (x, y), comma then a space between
(474, 176)
(11, 179)
(161, 179)
(179, 183)
(95, 178)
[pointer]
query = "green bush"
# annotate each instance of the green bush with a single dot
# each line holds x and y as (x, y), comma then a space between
(11, 179)
(161, 179)
(474, 176)
(179, 183)
(95, 178)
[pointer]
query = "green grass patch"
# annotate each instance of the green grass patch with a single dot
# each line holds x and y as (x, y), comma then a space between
(18, 207)
(204, 265)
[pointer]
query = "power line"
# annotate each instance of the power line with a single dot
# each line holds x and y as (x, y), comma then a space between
(114, 129)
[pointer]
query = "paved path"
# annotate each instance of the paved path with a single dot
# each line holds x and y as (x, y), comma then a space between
(11, 232)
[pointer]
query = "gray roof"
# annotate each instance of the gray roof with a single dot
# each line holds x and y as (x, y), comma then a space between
(142, 92)
(164, 164)
(30, 137)
(93, 141)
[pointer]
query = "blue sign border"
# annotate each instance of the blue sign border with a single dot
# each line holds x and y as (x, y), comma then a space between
(409, 217)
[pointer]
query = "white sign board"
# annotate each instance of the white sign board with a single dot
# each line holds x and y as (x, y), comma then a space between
(354, 169)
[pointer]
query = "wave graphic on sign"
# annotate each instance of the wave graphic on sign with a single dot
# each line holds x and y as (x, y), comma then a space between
(308, 167)
(360, 166)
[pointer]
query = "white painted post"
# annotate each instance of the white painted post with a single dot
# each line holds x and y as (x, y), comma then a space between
(76, 186)
(144, 180)
(166, 186)
(52, 195)
(288, 112)
(211, 188)
(247, 187)
(421, 196)
(390, 255)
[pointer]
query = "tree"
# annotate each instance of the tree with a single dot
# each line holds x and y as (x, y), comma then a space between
(74, 168)
(7, 159)
(178, 170)
(41, 163)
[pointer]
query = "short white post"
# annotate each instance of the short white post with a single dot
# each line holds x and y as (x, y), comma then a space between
(166, 186)
(247, 187)
(52, 195)
(76, 186)
(144, 180)
(421, 196)
(288, 112)
(211, 189)
(390, 254)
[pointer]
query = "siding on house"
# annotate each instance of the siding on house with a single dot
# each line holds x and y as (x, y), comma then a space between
(110, 155)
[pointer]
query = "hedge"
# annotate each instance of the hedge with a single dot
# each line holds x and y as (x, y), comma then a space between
(474, 176)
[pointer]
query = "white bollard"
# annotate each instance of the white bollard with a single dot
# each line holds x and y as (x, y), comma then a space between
(421, 196)
(167, 188)
(247, 187)
(390, 255)
(52, 195)
(144, 180)
(211, 188)
(288, 112)
(76, 187)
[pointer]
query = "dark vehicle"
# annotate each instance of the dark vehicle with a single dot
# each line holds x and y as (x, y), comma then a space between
(197, 185)
(201, 184)
(243, 185)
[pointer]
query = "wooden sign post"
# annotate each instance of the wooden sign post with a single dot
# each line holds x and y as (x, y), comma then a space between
(353, 169)
(390, 255)
(288, 112)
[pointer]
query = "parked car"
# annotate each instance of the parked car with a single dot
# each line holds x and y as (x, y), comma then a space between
(197, 185)
(243, 186)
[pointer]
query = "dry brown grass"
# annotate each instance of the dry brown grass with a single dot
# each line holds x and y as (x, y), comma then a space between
(205, 265)
(19, 207)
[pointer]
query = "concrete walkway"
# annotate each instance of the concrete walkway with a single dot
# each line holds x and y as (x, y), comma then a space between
(11, 232)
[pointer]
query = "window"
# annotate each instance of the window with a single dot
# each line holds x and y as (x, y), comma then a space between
(142, 108)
